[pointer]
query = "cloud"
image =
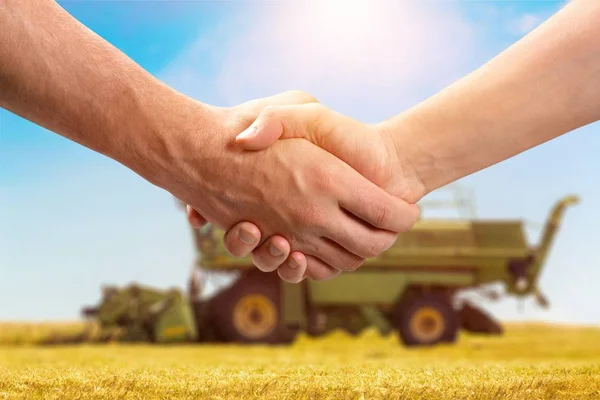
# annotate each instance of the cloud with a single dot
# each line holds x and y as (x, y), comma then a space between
(344, 54)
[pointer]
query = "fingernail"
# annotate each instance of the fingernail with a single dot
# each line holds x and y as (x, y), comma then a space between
(247, 236)
(274, 250)
(293, 264)
(248, 133)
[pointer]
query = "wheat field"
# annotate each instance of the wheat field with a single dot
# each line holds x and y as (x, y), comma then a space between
(529, 362)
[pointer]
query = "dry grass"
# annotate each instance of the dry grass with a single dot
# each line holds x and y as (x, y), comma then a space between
(529, 362)
(21, 333)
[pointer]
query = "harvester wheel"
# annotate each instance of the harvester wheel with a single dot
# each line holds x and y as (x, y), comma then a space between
(426, 319)
(249, 311)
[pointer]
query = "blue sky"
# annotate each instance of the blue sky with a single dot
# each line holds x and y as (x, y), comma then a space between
(72, 220)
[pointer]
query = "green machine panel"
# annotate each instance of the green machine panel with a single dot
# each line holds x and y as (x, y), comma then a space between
(376, 288)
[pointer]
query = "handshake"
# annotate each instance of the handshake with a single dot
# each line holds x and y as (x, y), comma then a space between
(307, 191)
(335, 192)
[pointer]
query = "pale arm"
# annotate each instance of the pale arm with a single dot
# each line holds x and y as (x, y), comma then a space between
(544, 86)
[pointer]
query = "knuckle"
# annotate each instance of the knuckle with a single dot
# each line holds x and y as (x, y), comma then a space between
(412, 217)
(243, 114)
(318, 114)
(316, 108)
(377, 246)
(322, 275)
(381, 214)
(382, 245)
(270, 112)
(375, 249)
(415, 218)
(353, 264)
(301, 96)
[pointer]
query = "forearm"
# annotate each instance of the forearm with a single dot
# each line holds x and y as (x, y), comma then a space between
(60, 75)
(544, 86)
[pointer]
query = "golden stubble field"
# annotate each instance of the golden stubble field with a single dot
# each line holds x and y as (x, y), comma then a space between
(530, 362)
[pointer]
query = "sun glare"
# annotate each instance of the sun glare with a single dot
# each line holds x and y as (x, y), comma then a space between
(344, 19)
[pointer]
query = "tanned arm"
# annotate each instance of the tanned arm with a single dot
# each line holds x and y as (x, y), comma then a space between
(60, 75)
(57, 73)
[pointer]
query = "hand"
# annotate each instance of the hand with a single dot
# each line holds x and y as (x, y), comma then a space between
(243, 238)
(227, 185)
(367, 148)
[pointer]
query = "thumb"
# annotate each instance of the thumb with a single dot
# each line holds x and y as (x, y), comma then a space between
(285, 122)
(263, 132)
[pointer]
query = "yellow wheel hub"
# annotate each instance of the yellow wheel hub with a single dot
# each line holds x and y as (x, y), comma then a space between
(255, 316)
(427, 324)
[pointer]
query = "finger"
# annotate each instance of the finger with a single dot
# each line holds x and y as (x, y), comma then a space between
(372, 204)
(263, 132)
(291, 97)
(242, 239)
(271, 254)
(313, 122)
(194, 218)
(285, 98)
(294, 268)
(362, 240)
(335, 255)
(319, 271)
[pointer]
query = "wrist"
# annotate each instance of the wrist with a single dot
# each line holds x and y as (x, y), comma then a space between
(417, 166)
(164, 126)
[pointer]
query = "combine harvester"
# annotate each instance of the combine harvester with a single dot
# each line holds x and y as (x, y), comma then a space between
(413, 288)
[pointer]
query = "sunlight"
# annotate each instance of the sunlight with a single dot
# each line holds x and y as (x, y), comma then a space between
(345, 19)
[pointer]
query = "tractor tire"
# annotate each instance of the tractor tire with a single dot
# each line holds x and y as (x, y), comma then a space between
(475, 320)
(205, 327)
(250, 311)
(426, 319)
